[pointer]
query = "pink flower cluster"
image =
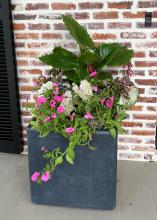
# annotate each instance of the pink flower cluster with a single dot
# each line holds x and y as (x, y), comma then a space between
(70, 130)
(44, 177)
(109, 102)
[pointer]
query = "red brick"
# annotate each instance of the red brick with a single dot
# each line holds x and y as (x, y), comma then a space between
(139, 54)
(16, 7)
(37, 6)
(27, 36)
(105, 15)
(129, 156)
(147, 4)
(129, 140)
(120, 5)
(30, 71)
(59, 26)
(19, 27)
(37, 45)
(26, 88)
(19, 44)
(146, 64)
(133, 35)
(51, 36)
(22, 63)
(143, 133)
(142, 148)
(27, 53)
(23, 80)
(131, 124)
(128, 14)
(144, 116)
(146, 82)
(136, 108)
(63, 6)
(39, 26)
(81, 15)
(119, 25)
(50, 16)
(142, 25)
(90, 5)
(98, 36)
(147, 99)
(138, 72)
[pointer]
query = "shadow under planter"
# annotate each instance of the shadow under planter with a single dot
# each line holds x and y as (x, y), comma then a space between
(89, 183)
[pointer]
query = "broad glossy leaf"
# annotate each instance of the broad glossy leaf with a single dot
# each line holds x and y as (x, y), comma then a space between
(78, 32)
(88, 57)
(61, 59)
(114, 54)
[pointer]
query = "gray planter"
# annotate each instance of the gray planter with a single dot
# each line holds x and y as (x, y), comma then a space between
(89, 183)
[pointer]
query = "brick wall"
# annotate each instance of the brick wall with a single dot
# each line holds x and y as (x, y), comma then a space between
(38, 28)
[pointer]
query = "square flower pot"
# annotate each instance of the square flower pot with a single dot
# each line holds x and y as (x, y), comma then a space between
(89, 183)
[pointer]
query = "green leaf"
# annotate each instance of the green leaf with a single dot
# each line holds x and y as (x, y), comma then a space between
(92, 148)
(59, 160)
(44, 134)
(113, 132)
(78, 32)
(61, 59)
(70, 155)
(114, 54)
(88, 57)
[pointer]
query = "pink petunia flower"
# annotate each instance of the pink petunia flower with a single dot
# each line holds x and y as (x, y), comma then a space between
(56, 91)
(58, 98)
(60, 109)
(56, 84)
(54, 116)
(52, 103)
(35, 176)
(95, 88)
(72, 116)
(109, 104)
(102, 101)
(88, 115)
(46, 176)
(47, 118)
(70, 130)
(41, 100)
(93, 74)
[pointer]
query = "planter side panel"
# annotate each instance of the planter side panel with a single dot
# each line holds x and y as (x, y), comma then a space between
(89, 183)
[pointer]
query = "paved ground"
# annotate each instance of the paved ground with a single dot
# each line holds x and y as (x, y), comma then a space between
(136, 194)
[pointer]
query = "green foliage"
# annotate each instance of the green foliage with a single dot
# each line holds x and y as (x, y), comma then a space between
(78, 32)
(114, 54)
(61, 59)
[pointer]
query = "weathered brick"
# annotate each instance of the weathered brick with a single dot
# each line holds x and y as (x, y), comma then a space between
(37, 6)
(95, 26)
(146, 82)
(153, 72)
(133, 35)
(97, 36)
(39, 26)
(142, 148)
(119, 25)
(24, 17)
(147, 99)
(152, 91)
(129, 140)
(81, 15)
(139, 54)
(27, 36)
(131, 124)
(143, 132)
(146, 63)
(144, 116)
(130, 14)
(16, 7)
(120, 5)
(63, 6)
(152, 108)
(27, 53)
(154, 35)
(30, 71)
(142, 25)
(90, 5)
(153, 53)
(105, 15)
(51, 36)
(147, 4)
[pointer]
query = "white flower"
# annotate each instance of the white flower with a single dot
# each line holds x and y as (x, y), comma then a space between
(133, 94)
(84, 91)
(45, 87)
(67, 103)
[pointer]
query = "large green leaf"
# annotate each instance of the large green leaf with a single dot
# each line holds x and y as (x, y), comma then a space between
(78, 32)
(104, 75)
(61, 59)
(76, 76)
(88, 57)
(114, 54)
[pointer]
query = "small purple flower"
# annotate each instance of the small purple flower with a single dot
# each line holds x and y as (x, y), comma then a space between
(44, 149)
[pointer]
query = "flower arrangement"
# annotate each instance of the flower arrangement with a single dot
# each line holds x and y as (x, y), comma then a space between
(79, 96)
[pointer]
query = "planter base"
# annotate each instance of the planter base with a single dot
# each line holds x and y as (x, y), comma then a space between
(89, 183)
